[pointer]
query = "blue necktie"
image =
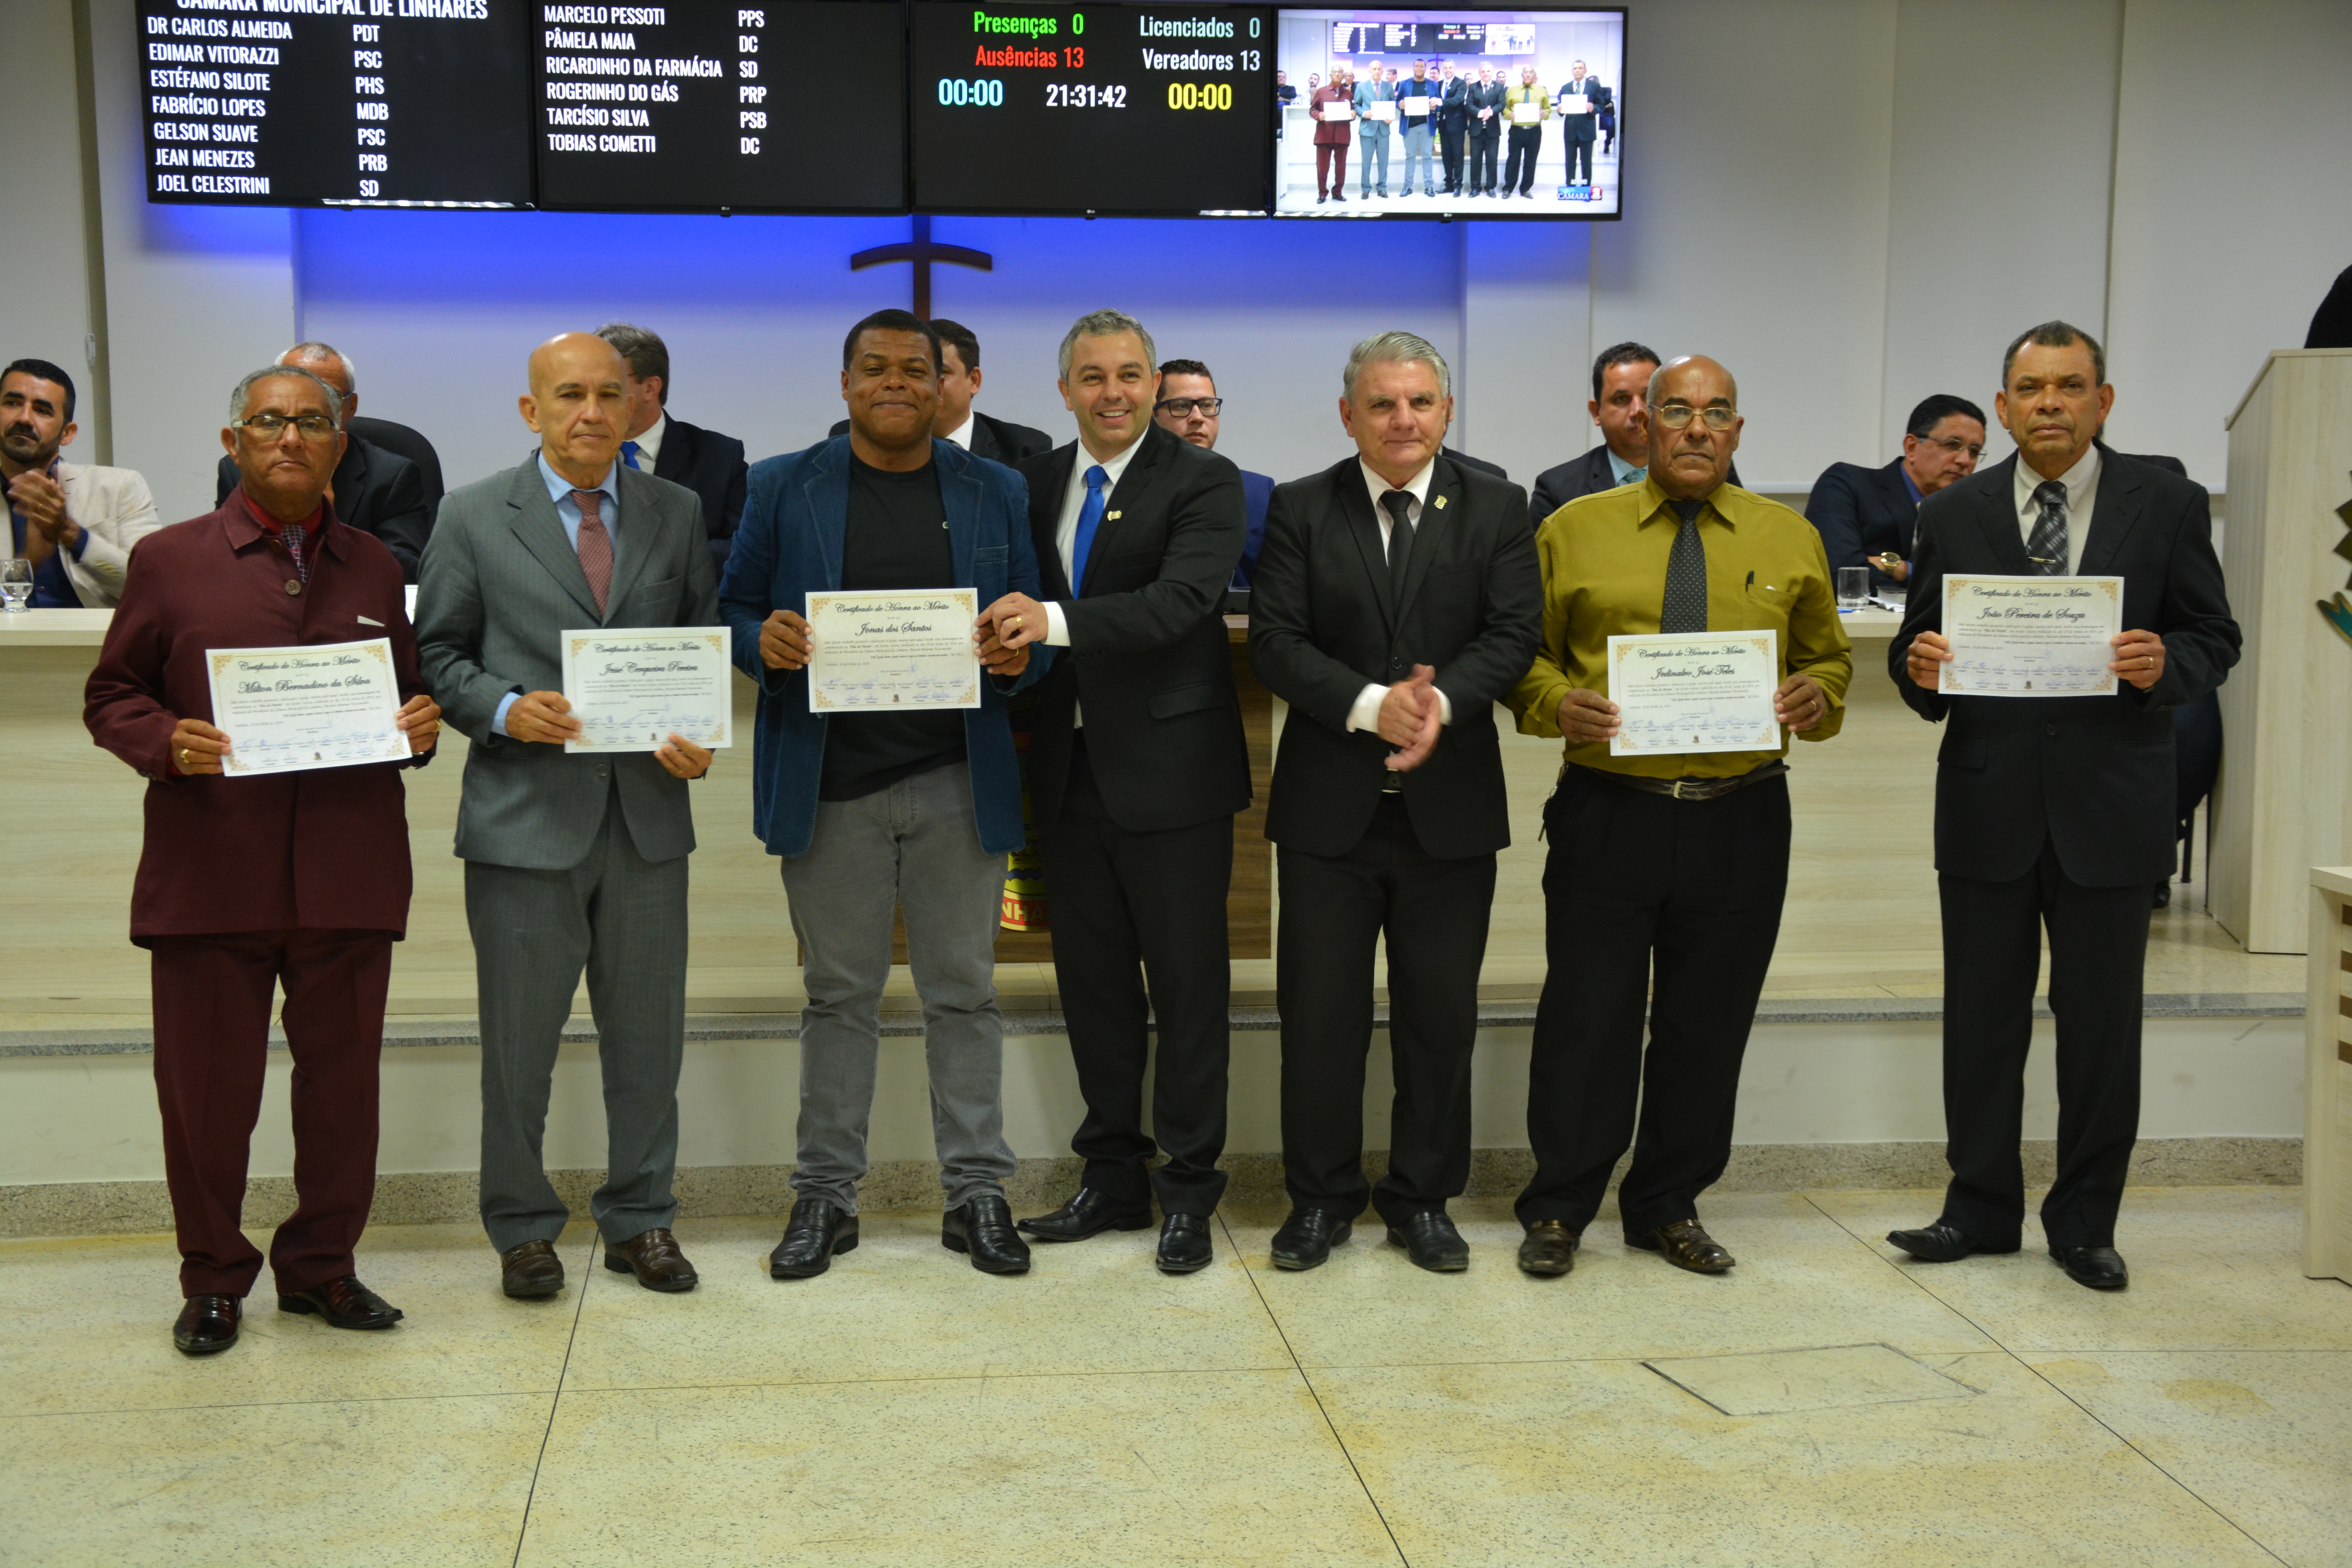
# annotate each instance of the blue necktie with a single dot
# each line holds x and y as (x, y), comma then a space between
(629, 453)
(1090, 518)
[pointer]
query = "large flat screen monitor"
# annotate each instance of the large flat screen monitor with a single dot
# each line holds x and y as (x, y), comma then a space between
(697, 105)
(1090, 110)
(1451, 113)
(418, 104)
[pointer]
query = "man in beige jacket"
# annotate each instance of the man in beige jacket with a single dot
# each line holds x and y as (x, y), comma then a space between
(75, 523)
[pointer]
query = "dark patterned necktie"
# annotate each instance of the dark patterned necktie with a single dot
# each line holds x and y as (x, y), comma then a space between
(1400, 543)
(2047, 544)
(296, 539)
(1685, 605)
(596, 545)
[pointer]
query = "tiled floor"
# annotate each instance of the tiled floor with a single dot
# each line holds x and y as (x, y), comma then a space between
(905, 1410)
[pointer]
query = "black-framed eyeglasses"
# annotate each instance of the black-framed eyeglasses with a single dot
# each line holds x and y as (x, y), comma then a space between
(1182, 407)
(269, 427)
(1955, 446)
(1678, 415)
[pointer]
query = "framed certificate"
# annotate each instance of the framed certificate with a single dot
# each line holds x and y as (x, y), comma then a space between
(2031, 637)
(330, 705)
(632, 688)
(893, 649)
(1711, 692)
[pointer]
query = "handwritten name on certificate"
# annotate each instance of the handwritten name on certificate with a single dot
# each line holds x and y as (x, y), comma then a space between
(894, 649)
(2031, 637)
(1711, 692)
(330, 705)
(632, 688)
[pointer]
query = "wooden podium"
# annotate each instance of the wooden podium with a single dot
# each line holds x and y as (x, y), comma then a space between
(2285, 801)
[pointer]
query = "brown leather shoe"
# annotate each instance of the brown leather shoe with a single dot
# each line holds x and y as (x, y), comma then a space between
(653, 1257)
(1687, 1245)
(344, 1302)
(531, 1270)
(1548, 1250)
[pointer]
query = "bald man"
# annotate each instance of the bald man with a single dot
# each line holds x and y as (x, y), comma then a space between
(574, 859)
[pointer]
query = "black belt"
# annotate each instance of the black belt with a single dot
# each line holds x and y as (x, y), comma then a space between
(1691, 789)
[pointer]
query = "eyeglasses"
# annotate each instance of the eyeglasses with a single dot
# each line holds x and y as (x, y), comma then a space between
(1182, 407)
(269, 427)
(1955, 446)
(1676, 415)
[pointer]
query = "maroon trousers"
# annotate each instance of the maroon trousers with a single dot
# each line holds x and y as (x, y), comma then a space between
(212, 996)
(1326, 154)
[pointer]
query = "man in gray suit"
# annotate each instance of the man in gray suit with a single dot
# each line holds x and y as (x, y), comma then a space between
(573, 859)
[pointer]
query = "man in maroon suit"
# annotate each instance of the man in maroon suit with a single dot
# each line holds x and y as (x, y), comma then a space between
(299, 879)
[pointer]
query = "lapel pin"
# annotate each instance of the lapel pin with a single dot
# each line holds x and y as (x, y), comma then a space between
(1110, 517)
(1441, 503)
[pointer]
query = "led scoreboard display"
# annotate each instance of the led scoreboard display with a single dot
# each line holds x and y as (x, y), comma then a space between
(1110, 110)
(702, 104)
(336, 103)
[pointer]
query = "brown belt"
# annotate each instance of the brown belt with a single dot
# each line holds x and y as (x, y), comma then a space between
(1690, 789)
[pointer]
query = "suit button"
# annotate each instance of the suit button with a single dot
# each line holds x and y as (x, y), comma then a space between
(2049, 729)
(602, 770)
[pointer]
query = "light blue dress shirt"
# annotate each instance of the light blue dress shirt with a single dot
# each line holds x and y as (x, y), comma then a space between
(1624, 473)
(567, 511)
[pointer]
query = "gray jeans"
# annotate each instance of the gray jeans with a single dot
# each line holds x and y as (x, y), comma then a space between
(912, 847)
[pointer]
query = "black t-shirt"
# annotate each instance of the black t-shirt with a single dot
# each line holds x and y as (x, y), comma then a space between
(896, 538)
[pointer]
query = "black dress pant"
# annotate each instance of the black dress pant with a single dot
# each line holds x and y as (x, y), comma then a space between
(1138, 923)
(1335, 911)
(1679, 898)
(1579, 149)
(1449, 149)
(1993, 954)
(1519, 167)
(1483, 146)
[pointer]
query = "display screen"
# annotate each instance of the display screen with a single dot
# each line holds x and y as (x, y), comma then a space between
(700, 105)
(412, 103)
(1452, 113)
(1090, 109)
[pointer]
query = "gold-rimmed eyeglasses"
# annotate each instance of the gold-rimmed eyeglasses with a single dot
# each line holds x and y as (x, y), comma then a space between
(1676, 416)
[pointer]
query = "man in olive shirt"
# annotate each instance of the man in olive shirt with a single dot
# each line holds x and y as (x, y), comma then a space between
(1679, 861)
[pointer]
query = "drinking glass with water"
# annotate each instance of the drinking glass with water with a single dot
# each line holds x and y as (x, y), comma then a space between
(15, 584)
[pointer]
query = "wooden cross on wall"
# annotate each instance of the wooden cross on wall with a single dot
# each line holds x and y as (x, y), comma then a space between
(921, 252)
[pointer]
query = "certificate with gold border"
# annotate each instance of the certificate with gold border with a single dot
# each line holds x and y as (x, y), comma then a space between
(1706, 691)
(632, 688)
(327, 705)
(2031, 637)
(893, 650)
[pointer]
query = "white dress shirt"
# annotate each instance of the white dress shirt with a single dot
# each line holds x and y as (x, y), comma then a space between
(961, 434)
(650, 443)
(1364, 713)
(2082, 483)
(1065, 538)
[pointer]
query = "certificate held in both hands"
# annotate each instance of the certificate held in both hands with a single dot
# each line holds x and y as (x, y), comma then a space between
(899, 650)
(632, 688)
(1708, 692)
(2031, 637)
(330, 705)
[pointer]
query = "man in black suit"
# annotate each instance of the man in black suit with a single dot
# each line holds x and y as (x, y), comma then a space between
(1866, 515)
(1578, 121)
(2055, 815)
(982, 435)
(1621, 407)
(1137, 765)
(374, 491)
(704, 461)
(1482, 113)
(1453, 115)
(1397, 600)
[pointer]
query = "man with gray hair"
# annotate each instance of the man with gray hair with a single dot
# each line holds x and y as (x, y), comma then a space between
(704, 461)
(1137, 766)
(376, 489)
(1396, 601)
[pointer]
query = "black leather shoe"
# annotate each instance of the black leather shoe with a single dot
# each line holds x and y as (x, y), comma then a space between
(2164, 894)
(653, 1255)
(2099, 1267)
(983, 1227)
(1088, 1213)
(206, 1325)
(1432, 1243)
(530, 1269)
(1306, 1239)
(345, 1303)
(814, 1231)
(1937, 1242)
(1685, 1244)
(1549, 1248)
(1185, 1246)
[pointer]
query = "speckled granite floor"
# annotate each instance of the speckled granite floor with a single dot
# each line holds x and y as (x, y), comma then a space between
(1825, 1404)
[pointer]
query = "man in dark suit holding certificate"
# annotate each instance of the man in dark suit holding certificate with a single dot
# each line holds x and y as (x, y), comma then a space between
(1137, 765)
(574, 861)
(1396, 601)
(2055, 815)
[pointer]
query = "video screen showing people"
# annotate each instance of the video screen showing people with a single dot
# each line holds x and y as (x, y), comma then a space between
(1461, 113)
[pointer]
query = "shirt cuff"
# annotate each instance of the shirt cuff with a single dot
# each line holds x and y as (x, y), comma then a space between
(1444, 706)
(1057, 625)
(81, 541)
(499, 720)
(1364, 713)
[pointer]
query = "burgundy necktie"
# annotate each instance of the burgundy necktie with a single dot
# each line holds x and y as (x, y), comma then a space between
(596, 545)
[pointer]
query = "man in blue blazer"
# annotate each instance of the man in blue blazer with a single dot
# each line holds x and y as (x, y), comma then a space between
(1868, 517)
(887, 811)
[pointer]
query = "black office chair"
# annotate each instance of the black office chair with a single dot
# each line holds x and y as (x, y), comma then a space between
(402, 441)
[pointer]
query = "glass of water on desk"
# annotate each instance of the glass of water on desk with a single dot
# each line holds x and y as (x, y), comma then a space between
(1853, 586)
(16, 584)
